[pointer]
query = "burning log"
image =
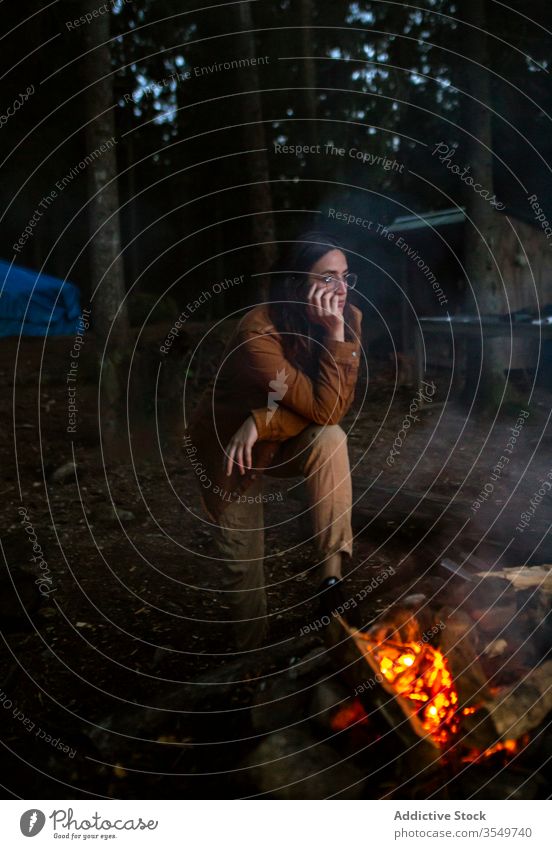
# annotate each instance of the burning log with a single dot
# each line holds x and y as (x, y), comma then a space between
(441, 692)
(524, 577)
(458, 643)
(521, 708)
(417, 676)
(350, 652)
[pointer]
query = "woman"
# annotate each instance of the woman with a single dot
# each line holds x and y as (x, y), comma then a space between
(286, 380)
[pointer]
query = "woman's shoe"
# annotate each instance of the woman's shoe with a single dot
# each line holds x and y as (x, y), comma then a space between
(331, 597)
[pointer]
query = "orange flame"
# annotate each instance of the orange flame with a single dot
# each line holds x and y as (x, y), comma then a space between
(350, 714)
(421, 675)
(509, 747)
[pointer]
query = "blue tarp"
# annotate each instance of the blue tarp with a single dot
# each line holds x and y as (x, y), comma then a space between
(27, 301)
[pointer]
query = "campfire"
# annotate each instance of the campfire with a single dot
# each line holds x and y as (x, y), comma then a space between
(443, 694)
(444, 683)
(421, 681)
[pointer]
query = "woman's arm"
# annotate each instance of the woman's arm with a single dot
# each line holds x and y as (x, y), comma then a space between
(323, 401)
(263, 352)
(278, 425)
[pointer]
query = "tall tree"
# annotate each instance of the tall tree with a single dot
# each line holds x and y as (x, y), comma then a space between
(482, 223)
(254, 136)
(309, 69)
(110, 314)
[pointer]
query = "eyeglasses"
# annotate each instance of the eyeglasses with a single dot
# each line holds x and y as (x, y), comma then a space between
(350, 279)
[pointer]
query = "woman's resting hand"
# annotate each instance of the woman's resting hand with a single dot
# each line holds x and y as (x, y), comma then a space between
(239, 449)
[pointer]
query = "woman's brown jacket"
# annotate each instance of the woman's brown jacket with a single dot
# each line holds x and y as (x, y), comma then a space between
(255, 378)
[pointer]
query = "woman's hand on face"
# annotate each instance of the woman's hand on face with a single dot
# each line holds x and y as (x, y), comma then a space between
(323, 309)
(239, 449)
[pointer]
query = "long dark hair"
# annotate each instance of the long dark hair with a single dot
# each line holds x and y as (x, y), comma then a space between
(301, 338)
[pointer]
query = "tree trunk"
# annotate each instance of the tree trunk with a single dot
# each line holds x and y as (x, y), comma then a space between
(482, 224)
(309, 69)
(260, 195)
(110, 314)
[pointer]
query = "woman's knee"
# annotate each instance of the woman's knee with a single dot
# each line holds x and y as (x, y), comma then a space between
(331, 437)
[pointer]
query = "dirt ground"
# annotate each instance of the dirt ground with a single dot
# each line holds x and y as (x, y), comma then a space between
(132, 614)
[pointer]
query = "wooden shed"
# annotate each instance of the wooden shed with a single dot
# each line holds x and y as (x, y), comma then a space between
(429, 247)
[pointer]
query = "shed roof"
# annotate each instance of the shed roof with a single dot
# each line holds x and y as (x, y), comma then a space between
(444, 217)
(440, 218)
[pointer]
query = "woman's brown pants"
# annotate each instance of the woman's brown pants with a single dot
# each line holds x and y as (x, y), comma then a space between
(319, 454)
